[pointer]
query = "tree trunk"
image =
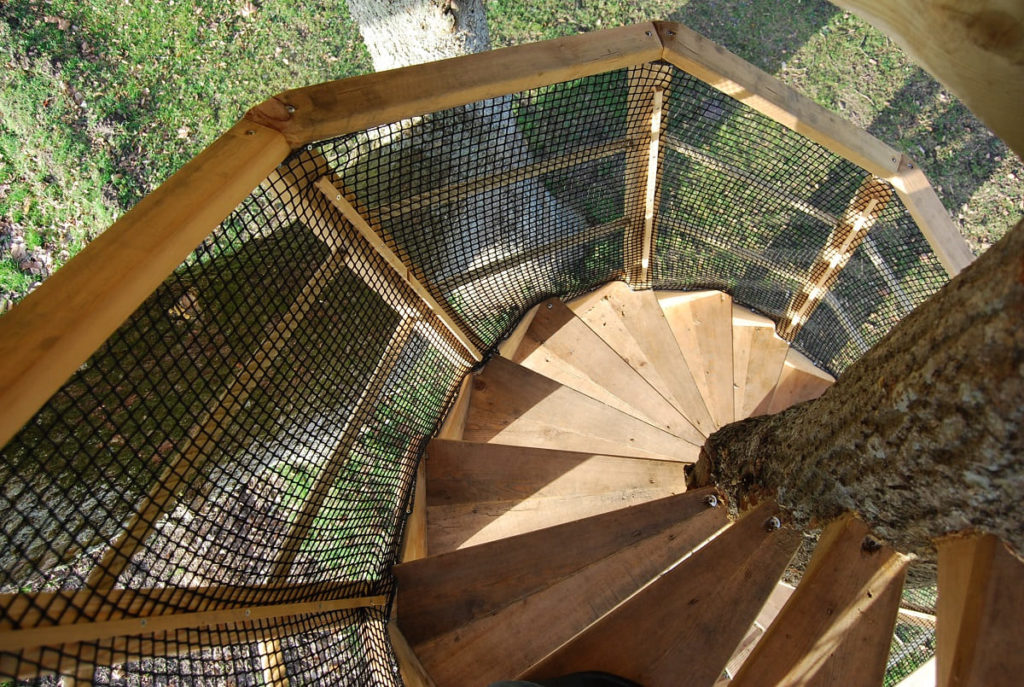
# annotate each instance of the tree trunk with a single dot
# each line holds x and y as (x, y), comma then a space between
(921, 436)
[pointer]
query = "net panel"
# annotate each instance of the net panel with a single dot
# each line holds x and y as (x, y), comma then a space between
(258, 421)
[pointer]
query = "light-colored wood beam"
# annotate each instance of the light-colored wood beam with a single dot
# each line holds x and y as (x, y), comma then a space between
(974, 47)
(45, 338)
(866, 205)
(15, 640)
(401, 267)
(761, 91)
(980, 613)
(272, 664)
(326, 110)
(409, 666)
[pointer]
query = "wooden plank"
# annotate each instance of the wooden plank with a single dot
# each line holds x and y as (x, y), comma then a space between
(414, 538)
(272, 663)
(506, 642)
(980, 612)
(455, 421)
(931, 216)
(971, 46)
(45, 338)
(633, 324)
(758, 357)
(483, 492)
(409, 667)
(401, 267)
(764, 93)
(701, 322)
(776, 600)
(14, 640)
(837, 626)
(489, 182)
(644, 103)
(340, 107)
(561, 346)
(181, 642)
(508, 347)
(799, 381)
(205, 435)
(514, 405)
(849, 232)
(437, 595)
(328, 475)
(689, 620)
(924, 676)
(45, 609)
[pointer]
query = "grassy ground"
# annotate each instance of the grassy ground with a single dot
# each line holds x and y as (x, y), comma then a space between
(101, 101)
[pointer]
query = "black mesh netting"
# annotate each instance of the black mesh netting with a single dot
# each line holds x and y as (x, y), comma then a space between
(249, 437)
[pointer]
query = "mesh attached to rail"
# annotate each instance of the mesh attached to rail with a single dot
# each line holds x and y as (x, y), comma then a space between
(247, 441)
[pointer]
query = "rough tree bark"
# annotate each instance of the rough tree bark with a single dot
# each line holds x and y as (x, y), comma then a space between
(921, 436)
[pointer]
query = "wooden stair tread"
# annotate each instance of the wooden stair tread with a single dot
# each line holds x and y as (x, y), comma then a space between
(776, 600)
(758, 356)
(837, 626)
(980, 612)
(513, 405)
(633, 324)
(482, 492)
(508, 347)
(559, 345)
(489, 612)
(702, 324)
(690, 619)
(799, 381)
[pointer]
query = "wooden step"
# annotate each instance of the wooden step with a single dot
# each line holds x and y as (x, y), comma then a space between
(508, 347)
(702, 324)
(561, 346)
(778, 598)
(980, 613)
(633, 324)
(481, 492)
(489, 612)
(688, 621)
(799, 381)
(758, 356)
(837, 626)
(513, 405)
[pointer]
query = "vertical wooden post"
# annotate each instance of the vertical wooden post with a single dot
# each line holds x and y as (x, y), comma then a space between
(272, 663)
(851, 230)
(980, 613)
(648, 85)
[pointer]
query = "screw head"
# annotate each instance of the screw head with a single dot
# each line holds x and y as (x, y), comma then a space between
(772, 524)
(290, 108)
(648, 33)
(250, 132)
(712, 501)
(870, 544)
(550, 306)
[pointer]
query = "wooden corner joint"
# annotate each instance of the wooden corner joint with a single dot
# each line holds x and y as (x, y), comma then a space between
(274, 113)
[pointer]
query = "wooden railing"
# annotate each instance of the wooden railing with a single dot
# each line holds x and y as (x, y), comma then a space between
(45, 339)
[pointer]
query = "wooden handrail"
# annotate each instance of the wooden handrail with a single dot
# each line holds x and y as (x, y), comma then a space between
(762, 92)
(46, 337)
(332, 109)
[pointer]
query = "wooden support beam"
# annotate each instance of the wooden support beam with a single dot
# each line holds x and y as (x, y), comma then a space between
(275, 673)
(204, 436)
(980, 613)
(403, 268)
(369, 398)
(45, 609)
(412, 671)
(46, 337)
(974, 47)
(414, 538)
(489, 182)
(331, 109)
(645, 111)
(932, 218)
(15, 640)
(837, 626)
(761, 91)
(846, 236)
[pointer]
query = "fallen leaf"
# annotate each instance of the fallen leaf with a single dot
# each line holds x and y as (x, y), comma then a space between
(183, 132)
(247, 9)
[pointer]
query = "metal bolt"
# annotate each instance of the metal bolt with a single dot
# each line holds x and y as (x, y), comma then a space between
(772, 524)
(290, 108)
(870, 544)
(894, 159)
(248, 613)
(142, 623)
(910, 165)
(647, 33)
(250, 132)
(671, 33)
(550, 306)
(337, 197)
(712, 501)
